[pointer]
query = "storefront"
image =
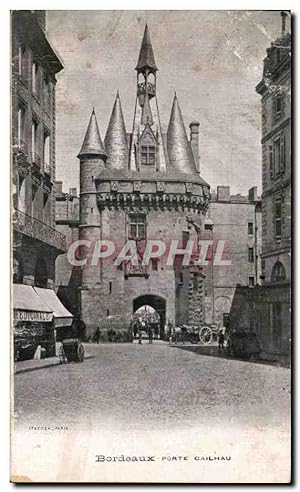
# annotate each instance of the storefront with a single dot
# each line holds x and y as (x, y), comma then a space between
(39, 318)
(33, 323)
(62, 318)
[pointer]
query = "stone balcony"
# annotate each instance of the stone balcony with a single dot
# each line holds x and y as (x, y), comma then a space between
(25, 224)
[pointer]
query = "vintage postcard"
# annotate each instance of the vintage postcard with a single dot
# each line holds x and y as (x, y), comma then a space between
(151, 246)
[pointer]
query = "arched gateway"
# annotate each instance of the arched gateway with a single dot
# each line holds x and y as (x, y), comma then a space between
(157, 303)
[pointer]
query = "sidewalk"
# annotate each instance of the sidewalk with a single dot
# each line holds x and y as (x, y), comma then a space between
(34, 364)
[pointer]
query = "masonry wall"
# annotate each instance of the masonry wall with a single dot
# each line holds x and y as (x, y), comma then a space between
(116, 292)
(230, 217)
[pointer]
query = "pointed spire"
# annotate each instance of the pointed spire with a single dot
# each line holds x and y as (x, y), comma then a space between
(116, 138)
(179, 149)
(92, 143)
(146, 112)
(146, 56)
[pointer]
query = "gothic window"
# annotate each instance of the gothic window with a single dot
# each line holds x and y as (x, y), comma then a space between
(278, 272)
(137, 226)
(148, 154)
(250, 228)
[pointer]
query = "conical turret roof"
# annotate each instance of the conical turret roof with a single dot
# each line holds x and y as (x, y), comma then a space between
(116, 138)
(92, 143)
(179, 150)
(146, 56)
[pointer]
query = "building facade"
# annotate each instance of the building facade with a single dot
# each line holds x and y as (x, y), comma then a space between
(269, 306)
(36, 242)
(235, 221)
(137, 187)
(67, 276)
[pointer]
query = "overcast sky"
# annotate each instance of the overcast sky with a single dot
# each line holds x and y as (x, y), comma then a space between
(213, 59)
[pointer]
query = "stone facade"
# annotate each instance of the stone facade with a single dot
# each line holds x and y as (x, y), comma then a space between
(67, 277)
(140, 186)
(236, 220)
(36, 243)
(267, 308)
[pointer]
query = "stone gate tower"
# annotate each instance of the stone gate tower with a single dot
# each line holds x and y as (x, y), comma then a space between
(135, 187)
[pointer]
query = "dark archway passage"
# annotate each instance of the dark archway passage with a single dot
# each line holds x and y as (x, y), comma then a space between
(158, 303)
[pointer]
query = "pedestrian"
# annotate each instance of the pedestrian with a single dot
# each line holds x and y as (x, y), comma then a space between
(221, 340)
(140, 336)
(150, 334)
(97, 335)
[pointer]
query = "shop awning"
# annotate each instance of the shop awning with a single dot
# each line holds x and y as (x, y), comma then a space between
(29, 306)
(62, 317)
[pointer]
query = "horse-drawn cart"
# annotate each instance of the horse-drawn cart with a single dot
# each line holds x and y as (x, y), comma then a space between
(71, 350)
(195, 334)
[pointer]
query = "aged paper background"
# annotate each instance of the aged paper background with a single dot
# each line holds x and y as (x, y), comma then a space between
(258, 443)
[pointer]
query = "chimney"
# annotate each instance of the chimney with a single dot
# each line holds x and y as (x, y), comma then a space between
(58, 187)
(223, 193)
(283, 21)
(73, 191)
(194, 139)
(252, 194)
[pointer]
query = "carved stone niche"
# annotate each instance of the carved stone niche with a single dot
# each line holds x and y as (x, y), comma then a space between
(137, 186)
(189, 187)
(161, 186)
(114, 186)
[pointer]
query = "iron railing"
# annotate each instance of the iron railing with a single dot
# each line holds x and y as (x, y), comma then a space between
(20, 147)
(37, 229)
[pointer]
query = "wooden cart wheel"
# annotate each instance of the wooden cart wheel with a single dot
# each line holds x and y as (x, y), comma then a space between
(80, 352)
(62, 355)
(206, 335)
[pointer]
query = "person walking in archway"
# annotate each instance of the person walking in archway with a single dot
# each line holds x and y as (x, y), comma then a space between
(140, 334)
(150, 333)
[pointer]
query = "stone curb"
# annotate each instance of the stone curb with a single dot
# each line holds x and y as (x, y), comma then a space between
(50, 364)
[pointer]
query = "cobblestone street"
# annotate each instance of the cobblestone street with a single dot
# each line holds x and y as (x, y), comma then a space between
(130, 383)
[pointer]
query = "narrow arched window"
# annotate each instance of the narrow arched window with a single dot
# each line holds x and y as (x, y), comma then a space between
(278, 272)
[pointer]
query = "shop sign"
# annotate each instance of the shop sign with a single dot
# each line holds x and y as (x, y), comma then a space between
(32, 316)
